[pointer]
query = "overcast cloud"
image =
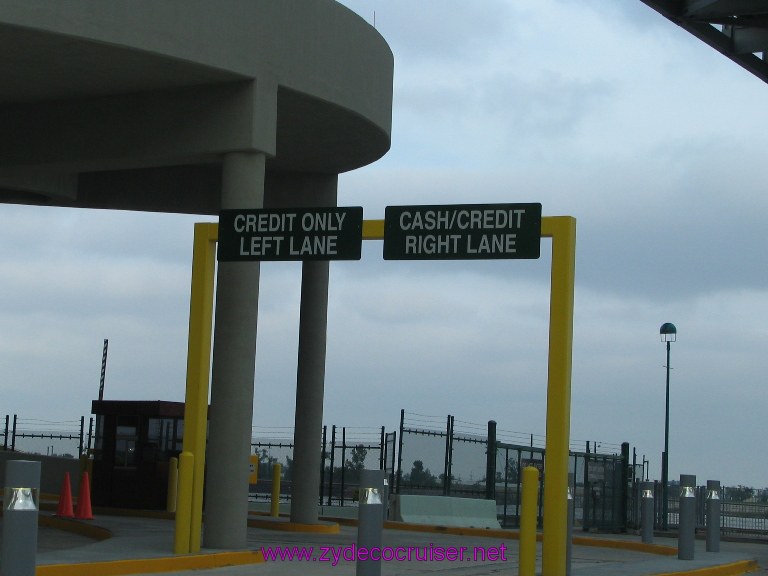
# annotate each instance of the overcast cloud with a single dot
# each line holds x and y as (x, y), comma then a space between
(599, 110)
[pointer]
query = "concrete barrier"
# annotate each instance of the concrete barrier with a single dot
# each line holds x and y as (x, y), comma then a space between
(444, 511)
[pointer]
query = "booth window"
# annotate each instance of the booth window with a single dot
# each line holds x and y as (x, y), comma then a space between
(125, 442)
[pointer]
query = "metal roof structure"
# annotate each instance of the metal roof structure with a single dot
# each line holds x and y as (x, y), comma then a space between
(737, 29)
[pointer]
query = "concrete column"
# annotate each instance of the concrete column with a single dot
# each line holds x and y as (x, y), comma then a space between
(310, 384)
(288, 190)
(233, 367)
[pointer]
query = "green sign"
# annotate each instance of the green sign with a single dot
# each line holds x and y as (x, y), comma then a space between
(462, 232)
(290, 234)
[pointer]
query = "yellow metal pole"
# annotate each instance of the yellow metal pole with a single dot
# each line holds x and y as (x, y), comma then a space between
(198, 373)
(373, 229)
(528, 513)
(184, 505)
(274, 509)
(562, 230)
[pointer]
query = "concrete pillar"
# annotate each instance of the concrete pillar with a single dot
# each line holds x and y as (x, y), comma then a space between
(310, 385)
(309, 190)
(233, 367)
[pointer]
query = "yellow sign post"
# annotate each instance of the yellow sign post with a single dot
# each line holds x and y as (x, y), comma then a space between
(189, 512)
(562, 230)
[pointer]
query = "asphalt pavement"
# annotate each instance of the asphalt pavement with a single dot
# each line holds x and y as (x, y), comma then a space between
(145, 545)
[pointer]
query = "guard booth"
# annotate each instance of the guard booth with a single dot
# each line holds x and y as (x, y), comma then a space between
(134, 442)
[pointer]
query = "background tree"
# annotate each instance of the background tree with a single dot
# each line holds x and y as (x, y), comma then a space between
(355, 463)
(266, 461)
(287, 470)
(740, 493)
(421, 477)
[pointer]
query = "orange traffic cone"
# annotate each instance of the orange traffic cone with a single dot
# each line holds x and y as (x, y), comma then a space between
(65, 499)
(83, 511)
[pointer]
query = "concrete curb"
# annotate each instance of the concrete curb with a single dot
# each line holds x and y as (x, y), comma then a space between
(152, 565)
(731, 569)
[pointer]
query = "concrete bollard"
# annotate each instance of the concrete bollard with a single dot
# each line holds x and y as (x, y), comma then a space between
(686, 532)
(713, 516)
(370, 521)
(646, 512)
(527, 563)
(20, 511)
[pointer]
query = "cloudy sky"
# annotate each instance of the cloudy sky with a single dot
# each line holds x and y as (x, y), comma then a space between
(600, 110)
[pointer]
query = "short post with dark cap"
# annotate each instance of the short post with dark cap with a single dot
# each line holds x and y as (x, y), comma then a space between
(713, 516)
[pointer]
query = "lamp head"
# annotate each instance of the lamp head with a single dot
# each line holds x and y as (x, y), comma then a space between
(668, 332)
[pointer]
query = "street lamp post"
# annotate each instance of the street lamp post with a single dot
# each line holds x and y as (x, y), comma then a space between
(668, 334)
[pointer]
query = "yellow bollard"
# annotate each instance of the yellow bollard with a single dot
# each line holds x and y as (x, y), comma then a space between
(528, 521)
(181, 544)
(274, 509)
(173, 479)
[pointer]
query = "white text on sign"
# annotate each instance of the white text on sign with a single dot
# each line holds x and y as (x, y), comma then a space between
(465, 231)
(290, 234)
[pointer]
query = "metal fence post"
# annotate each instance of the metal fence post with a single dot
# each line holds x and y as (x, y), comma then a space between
(686, 532)
(330, 473)
(20, 511)
(624, 478)
(713, 516)
(90, 436)
(383, 449)
(448, 456)
(343, 463)
(646, 512)
(323, 458)
(400, 453)
(490, 462)
(587, 498)
(384, 496)
(82, 437)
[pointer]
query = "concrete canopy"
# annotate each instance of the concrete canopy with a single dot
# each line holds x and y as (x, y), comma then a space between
(132, 104)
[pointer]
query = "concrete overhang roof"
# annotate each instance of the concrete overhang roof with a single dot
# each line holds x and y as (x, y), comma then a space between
(92, 88)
